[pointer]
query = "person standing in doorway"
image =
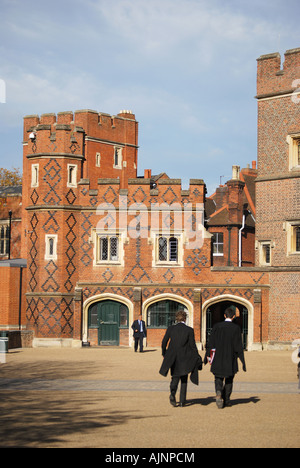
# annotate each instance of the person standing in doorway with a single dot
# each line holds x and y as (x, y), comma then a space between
(181, 356)
(139, 333)
(224, 348)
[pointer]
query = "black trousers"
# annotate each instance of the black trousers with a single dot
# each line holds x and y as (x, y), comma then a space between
(224, 385)
(183, 389)
(138, 340)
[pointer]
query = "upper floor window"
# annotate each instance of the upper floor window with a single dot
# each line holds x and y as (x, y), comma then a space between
(265, 253)
(294, 151)
(293, 233)
(4, 240)
(109, 249)
(218, 244)
(118, 158)
(98, 159)
(167, 249)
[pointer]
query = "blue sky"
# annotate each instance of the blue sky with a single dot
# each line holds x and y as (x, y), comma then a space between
(186, 68)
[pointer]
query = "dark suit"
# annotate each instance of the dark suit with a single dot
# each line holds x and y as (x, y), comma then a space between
(226, 339)
(181, 357)
(138, 334)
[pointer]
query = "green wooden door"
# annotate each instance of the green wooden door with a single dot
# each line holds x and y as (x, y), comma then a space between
(108, 316)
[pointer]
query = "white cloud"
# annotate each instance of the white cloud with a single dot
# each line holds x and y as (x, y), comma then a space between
(186, 68)
(157, 27)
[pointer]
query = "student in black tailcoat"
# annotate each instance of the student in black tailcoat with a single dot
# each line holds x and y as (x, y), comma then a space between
(139, 333)
(181, 356)
(225, 347)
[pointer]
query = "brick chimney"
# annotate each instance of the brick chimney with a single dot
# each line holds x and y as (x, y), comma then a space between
(235, 196)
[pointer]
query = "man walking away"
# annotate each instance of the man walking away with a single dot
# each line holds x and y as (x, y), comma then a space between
(181, 356)
(224, 348)
(139, 333)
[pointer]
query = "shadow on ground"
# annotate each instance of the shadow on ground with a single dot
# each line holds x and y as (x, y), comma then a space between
(41, 419)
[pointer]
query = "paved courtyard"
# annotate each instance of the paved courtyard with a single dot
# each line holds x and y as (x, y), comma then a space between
(114, 398)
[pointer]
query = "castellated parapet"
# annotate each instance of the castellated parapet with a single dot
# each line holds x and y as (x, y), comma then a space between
(274, 80)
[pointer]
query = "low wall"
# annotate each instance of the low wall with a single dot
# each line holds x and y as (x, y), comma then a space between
(19, 338)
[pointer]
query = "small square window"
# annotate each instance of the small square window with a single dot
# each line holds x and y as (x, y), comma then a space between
(293, 237)
(265, 253)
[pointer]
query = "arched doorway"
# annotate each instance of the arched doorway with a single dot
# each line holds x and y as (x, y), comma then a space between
(213, 312)
(106, 319)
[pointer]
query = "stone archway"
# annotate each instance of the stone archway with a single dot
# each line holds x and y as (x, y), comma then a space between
(101, 298)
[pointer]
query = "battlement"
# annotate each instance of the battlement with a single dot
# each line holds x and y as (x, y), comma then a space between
(272, 79)
(144, 191)
(95, 124)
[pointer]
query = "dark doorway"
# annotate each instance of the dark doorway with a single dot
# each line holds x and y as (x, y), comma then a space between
(215, 314)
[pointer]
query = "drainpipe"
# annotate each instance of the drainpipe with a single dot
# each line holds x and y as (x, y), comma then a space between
(20, 298)
(240, 241)
(9, 233)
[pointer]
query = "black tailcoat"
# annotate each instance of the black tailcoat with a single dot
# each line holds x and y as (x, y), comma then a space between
(226, 339)
(181, 356)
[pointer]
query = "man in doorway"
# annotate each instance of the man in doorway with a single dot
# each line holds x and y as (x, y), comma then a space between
(139, 333)
(224, 348)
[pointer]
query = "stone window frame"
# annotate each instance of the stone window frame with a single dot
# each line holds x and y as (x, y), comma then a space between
(96, 237)
(118, 157)
(4, 238)
(72, 175)
(35, 168)
(51, 247)
(154, 240)
(262, 252)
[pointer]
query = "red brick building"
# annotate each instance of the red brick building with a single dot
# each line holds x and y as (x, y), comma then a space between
(12, 267)
(103, 244)
(230, 213)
